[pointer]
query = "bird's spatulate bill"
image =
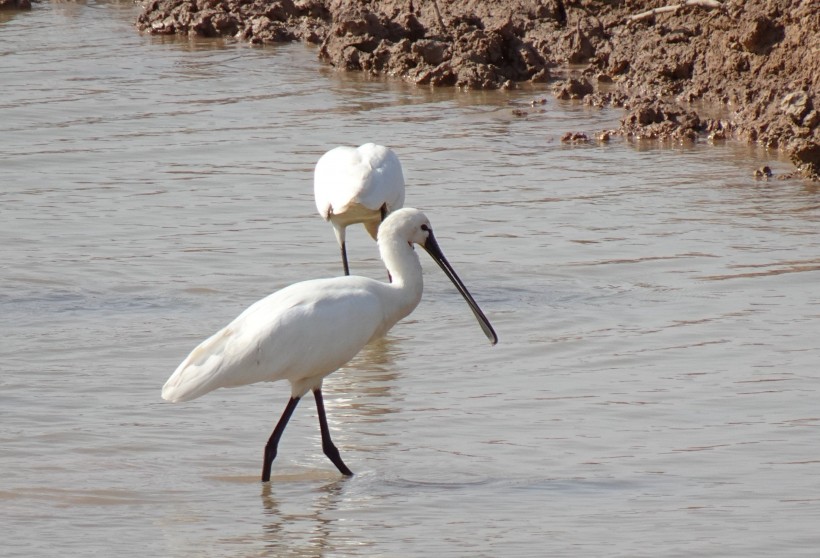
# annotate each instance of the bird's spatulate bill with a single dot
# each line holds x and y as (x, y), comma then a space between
(432, 248)
(294, 334)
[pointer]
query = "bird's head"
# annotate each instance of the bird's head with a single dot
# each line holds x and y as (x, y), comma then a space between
(408, 225)
(412, 226)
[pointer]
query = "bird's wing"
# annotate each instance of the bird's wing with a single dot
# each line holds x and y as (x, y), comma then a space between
(383, 183)
(334, 173)
(370, 175)
(301, 334)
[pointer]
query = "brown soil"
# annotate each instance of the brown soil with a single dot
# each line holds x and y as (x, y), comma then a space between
(15, 4)
(758, 61)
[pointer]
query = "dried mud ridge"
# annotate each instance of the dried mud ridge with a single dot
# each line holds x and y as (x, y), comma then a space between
(755, 64)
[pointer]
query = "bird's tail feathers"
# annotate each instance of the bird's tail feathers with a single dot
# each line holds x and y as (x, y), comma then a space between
(197, 374)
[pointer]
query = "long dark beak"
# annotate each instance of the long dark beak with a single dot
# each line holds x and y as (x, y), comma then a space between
(432, 247)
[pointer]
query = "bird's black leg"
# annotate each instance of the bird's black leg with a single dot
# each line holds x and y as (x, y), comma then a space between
(344, 259)
(383, 213)
(273, 441)
(327, 444)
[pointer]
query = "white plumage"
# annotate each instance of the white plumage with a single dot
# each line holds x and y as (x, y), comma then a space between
(358, 185)
(268, 342)
(305, 331)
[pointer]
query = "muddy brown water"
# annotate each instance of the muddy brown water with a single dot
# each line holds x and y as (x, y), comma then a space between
(654, 391)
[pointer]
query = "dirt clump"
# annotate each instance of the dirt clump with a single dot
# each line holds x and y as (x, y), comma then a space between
(256, 21)
(653, 119)
(573, 88)
(756, 61)
(15, 4)
(575, 138)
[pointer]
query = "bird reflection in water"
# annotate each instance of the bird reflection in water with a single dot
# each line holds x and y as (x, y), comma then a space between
(364, 388)
(302, 524)
(362, 394)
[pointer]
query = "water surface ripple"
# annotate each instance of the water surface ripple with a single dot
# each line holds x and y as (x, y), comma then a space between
(654, 391)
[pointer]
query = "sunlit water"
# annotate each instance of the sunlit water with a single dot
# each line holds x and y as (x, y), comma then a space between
(654, 391)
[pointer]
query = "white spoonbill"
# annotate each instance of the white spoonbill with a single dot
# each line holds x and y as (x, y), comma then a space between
(305, 331)
(357, 185)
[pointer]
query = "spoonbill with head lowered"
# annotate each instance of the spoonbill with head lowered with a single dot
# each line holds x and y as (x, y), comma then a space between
(357, 185)
(305, 331)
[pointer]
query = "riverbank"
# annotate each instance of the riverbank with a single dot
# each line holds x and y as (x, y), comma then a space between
(755, 62)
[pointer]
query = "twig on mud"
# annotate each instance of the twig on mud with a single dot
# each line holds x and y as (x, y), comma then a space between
(438, 16)
(708, 4)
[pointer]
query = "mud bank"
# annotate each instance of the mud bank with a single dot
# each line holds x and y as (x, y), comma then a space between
(755, 63)
(15, 4)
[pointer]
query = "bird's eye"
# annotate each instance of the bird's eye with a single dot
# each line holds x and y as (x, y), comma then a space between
(425, 228)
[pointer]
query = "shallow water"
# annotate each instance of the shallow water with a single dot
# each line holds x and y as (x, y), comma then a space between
(654, 391)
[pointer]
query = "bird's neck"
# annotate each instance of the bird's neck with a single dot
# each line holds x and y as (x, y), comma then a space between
(404, 267)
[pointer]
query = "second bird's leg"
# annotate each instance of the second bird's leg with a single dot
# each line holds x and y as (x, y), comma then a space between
(327, 444)
(383, 213)
(273, 441)
(344, 259)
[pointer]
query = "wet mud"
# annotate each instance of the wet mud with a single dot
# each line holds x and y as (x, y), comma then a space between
(682, 70)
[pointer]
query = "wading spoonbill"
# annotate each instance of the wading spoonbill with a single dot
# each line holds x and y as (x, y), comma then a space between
(305, 331)
(357, 185)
